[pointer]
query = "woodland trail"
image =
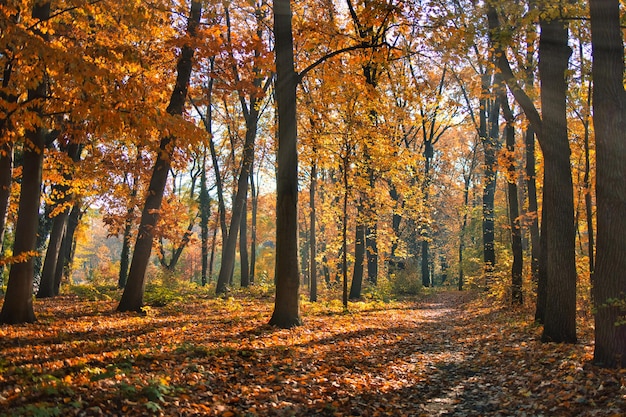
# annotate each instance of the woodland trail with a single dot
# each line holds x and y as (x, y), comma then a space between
(447, 354)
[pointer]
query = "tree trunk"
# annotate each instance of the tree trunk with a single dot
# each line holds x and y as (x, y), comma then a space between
(490, 149)
(558, 201)
(132, 298)
(6, 173)
(230, 246)
(589, 190)
(530, 168)
(467, 181)
(558, 233)
(609, 104)
(312, 237)
(359, 258)
(178, 251)
(64, 264)
(396, 219)
(212, 257)
(517, 296)
(46, 285)
(542, 281)
(428, 155)
(59, 225)
(371, 249)
(533, 207)
(18, 300)
(286, 308)
(205, 213)
(344, 236)
(125, 255)
(255, 205)
(6, 149)
(243, 245)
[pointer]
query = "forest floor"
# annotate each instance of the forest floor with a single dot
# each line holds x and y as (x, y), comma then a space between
(445, 354)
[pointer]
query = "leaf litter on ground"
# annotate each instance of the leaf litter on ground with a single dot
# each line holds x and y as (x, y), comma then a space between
(446, 354)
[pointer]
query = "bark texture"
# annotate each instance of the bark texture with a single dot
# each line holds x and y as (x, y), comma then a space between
(286, 306)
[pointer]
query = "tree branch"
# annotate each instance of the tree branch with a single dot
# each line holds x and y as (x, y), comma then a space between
(363, 45)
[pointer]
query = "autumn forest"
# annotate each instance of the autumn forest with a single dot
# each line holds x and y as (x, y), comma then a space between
(350, 207)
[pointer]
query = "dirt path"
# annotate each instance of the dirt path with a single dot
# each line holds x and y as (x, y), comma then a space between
(450, 354)
(485, 361)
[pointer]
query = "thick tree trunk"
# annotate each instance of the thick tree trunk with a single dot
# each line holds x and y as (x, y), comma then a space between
(558, 233)
(132, 298)
(18, 300)
(286, 308)
(558, 201)
(490, 149)
(609, 104)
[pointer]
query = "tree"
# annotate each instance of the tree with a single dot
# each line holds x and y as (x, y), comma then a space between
(62, 207)
(132, 298)
(609, 104)
(18, 301)
(286, 305)
(517, 296)
(250, 100)
(558, 230)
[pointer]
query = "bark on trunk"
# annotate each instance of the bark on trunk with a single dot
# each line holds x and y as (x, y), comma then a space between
(18, 300)
(558, 201)
(205, 213)
(46, 285)
(533, 208)
(64, 265)
(517, 296)
(243, 246)
(57, 233)
(286, 307)
(558, 233)
(230, 246)
(253, 238)
(125, 254)
(313, 242)
(6, 173)
(132, 298)
(609, 104)
(359, 257)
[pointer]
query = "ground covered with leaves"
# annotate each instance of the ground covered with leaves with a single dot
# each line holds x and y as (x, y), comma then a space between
(445, 354)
